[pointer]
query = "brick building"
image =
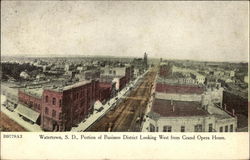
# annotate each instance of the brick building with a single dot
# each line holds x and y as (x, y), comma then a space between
(59, 108)
(106, 91)
(239, 103)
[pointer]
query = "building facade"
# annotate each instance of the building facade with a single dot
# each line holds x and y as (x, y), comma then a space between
(188, 108)
(60, 108)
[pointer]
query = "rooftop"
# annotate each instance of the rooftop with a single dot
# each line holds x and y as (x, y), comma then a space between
(38, 92)
(181, 108)
(180, 89)
(75, 85)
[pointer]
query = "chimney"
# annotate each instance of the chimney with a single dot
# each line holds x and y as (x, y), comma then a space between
(171, 102)
(233, 112)
(173, 108)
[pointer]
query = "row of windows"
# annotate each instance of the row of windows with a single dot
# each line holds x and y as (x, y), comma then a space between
(54, 101)
(81, 95)
(31, 104)
(197, 128)
(226, 128)
(83, 92)
(53, 113)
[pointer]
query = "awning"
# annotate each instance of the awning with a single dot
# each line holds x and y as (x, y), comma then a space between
(27, 112)
(12, 100)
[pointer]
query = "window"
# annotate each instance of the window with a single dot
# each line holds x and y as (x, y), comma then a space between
(54, 101)
(46, 99)
(210, 127)
(198, 128)
(82, 93)
(167, 128)
(38, 107)
(221, 129)
(60, 103)
(77, 95)
(151, 128)
(31, 104)
(53, 113)
(182, 128)
(226, 128)
(60, 116)
(231, 128)
(46, 110)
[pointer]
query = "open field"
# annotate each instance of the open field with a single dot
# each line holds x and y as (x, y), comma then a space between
(8, 125)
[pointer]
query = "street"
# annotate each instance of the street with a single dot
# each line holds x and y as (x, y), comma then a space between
(128, 115)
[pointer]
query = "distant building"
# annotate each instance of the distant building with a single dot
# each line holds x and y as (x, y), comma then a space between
(200, 79)
(12, 97)
(88, 75)
(141, 63)
(41, 77)
(165, 70)
(230, 73)
(120, 75)
(24, 75)
(81, 68)
(68, 67)
(145, 59)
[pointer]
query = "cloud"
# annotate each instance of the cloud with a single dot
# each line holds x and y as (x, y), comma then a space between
(183, 30)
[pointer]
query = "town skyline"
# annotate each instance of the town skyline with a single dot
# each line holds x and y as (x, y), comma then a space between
(113, 56)
(171, 30)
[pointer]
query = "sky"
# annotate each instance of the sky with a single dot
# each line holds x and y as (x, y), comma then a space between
(211, 30)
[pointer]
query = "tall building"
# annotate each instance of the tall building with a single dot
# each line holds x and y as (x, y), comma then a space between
(145, 60)
(58, 108)
(140, 64)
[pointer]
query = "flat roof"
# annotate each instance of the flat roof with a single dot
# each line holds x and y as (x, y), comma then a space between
(38, 92)
(75, 85)
(181, 108)
(179, 88)
(222, 116)
(9, 90)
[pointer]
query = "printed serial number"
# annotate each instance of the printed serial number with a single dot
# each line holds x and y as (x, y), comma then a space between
(12, 136)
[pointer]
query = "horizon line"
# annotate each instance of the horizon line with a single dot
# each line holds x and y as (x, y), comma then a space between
(71, 56)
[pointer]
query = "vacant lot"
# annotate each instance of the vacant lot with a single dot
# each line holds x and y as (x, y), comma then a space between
(8, 125)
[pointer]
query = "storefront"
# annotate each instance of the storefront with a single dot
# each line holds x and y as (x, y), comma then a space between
(28, 114)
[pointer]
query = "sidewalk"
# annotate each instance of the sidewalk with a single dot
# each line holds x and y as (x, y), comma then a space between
(145, 125)
(112, 102)
(15, 117)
